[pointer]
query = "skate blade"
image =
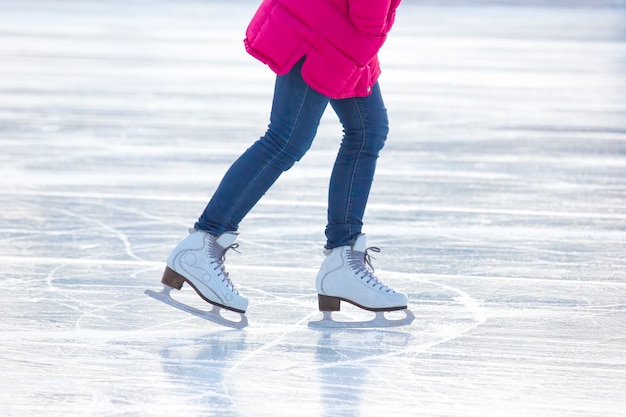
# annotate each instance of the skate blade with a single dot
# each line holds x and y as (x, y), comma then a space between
(379, 321)
(212, 315)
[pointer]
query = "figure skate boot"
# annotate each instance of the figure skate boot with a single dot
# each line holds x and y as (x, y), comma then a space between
(199, 261)
(347, 275)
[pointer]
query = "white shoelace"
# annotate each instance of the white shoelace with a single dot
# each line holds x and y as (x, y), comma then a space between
(361, 263)
(214, 249)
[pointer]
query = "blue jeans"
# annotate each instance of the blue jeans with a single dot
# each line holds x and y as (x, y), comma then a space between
(296, 113)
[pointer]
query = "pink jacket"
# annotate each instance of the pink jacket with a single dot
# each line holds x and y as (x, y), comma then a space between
(340, 39)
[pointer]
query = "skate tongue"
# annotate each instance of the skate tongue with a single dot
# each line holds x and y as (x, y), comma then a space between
(226, 239)
(360, 243)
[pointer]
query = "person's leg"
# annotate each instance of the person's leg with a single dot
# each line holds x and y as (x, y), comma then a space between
(346, 274)
(296, 113)
(365, 125)
(199, 259)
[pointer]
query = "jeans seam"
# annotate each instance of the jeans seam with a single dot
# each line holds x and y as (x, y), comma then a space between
(356, 166)
(236, 204)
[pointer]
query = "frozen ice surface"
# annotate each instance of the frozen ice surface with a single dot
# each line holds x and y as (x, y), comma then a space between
(499, 205)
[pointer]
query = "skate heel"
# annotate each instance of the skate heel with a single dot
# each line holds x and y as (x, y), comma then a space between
(172, 278)
(328, 303)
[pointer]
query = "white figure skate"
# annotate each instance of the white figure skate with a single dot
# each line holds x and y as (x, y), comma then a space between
(199, 261)
(347, 275)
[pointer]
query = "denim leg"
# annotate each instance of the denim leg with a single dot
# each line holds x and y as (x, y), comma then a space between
(366, 126)
(295, 116)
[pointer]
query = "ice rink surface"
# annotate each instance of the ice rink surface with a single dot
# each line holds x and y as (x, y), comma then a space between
(499, 205)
